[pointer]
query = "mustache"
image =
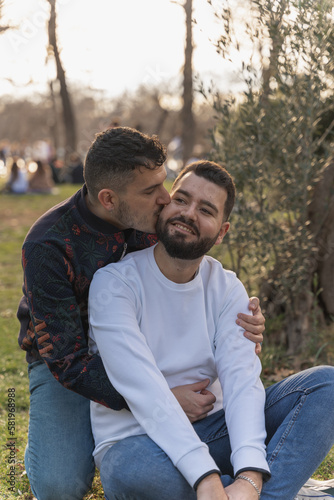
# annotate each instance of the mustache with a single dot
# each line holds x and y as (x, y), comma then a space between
(183, 220)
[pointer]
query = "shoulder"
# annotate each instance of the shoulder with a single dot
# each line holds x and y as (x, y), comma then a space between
(124, 280)
(222, 284)
(51, 218)
(129, 268)
(213, 269)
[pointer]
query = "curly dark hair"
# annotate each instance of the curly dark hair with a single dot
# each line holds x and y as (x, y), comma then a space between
(116, 153)
(215, 173)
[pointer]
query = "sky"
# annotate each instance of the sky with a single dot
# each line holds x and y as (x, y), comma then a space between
(109, 45)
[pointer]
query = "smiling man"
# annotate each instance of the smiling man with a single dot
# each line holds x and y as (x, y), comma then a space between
(115, 212)
(165, 317)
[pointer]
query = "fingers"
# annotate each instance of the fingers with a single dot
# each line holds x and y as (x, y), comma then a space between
(256, 327)
(204, 404)
(258, 319)
(257, 339)
(211, 398)
(258, 348)
(199, 386)
(254, 303)
(199, 414)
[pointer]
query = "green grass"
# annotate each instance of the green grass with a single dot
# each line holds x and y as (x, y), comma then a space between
(17, 215)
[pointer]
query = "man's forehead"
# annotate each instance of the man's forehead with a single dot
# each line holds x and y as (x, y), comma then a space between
(198, 185)
(144, 178)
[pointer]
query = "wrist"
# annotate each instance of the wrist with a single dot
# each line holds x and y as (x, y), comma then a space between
(209, 473)
(253, 478)
(211, 488)
(208, 482)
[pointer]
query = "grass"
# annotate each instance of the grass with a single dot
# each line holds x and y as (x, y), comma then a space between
(17, 215)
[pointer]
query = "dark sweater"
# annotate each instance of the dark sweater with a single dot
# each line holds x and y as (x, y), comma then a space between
(60, 254)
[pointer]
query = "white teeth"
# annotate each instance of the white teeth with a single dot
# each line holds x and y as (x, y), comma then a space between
(184, 228)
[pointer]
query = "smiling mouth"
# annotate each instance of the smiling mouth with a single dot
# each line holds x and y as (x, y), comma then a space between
(184, 228)
(185, 225)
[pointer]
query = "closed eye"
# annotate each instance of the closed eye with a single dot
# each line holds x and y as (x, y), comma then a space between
(206, 211)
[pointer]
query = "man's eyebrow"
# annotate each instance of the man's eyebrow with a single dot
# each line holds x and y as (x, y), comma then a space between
(149, 188)
(203, 202)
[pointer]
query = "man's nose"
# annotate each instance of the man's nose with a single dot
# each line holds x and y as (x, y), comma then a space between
(164, 197)
(189, 211)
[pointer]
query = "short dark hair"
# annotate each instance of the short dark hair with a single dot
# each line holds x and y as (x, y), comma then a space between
(116, 153)
(215, 173)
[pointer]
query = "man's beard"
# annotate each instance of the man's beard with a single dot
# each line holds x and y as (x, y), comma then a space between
(129, 219)
(175, 245)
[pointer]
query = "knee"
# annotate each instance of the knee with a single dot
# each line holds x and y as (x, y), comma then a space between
(328, 375)
(324, 374)
(56, 485)
(52, 488)
(118, 478)
(138, 468)
(322, 382)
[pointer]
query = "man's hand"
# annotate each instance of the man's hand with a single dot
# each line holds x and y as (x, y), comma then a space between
(211, 488)
(254, 325)
(194, 399)
(243, 490)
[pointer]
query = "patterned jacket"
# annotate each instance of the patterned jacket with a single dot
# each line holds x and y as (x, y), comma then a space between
(60, 254)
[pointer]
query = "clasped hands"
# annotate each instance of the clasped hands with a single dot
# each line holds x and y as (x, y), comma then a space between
(211, 488)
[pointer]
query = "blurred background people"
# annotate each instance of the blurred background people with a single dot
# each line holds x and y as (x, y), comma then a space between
(73, 171)
(56, 165)
(18, 178)
(41, 180)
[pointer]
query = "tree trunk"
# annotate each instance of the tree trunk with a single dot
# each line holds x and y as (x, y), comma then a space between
(297, 321)
(188, 122)
(321, 213)
(54, 120)
(298, 309)
(68, 114)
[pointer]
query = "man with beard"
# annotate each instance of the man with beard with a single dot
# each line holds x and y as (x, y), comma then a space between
(113, 213)
(164, 317)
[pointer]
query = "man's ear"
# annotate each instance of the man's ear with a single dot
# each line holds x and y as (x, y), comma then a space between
(223, 230)
(108, 199)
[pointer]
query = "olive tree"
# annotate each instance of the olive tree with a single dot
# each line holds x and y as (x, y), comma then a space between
(276, 139)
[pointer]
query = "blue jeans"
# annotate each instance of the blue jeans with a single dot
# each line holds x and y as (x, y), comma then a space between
(300, 428)
(58, 456)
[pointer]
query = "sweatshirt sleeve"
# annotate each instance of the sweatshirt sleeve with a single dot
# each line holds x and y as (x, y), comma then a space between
(239, 370)
(57, 326)
(131, 367)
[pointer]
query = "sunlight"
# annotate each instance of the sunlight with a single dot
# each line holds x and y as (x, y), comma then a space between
(115, 46)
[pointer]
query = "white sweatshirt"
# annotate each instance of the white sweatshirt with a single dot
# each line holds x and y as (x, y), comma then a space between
(153, 335)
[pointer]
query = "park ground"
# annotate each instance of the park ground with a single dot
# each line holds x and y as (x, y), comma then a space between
(17, 215)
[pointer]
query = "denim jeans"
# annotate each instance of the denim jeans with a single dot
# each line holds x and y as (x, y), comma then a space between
(300, 433)
(58, 456)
